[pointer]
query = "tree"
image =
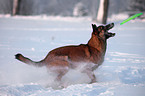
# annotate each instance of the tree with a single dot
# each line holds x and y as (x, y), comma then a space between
(16, 7)
(137, 5)
(103, 11)
(80, 10)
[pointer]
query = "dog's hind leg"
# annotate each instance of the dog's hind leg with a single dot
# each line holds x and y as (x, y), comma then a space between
(60, 66)
(59, 78)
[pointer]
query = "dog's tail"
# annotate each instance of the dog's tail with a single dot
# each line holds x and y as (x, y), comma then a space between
(29, 61)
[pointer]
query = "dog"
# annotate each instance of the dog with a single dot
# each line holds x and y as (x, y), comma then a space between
(61, 59)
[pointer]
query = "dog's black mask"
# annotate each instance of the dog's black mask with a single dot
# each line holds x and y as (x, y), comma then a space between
(102, 31)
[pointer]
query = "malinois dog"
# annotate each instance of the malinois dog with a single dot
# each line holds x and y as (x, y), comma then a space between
(60, 60)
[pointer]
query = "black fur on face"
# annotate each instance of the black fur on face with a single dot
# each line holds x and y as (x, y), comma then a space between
(102, 31)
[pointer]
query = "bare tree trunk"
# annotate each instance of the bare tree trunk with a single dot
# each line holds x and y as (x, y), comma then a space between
(16, 7)
(103, 11)
(106, 6)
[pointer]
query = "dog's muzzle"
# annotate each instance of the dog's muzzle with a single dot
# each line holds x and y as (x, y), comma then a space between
(109, 34)
(109, 26)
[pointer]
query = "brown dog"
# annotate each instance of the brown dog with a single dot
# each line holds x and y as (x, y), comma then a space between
(62, 59)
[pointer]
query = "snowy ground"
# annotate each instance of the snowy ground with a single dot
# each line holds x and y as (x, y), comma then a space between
(122, 73)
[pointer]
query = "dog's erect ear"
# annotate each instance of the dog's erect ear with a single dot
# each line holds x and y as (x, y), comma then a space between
(94, 27)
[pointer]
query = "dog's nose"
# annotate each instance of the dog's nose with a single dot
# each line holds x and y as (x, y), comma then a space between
(111, 25)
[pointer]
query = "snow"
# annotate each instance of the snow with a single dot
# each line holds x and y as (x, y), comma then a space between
(122, 73)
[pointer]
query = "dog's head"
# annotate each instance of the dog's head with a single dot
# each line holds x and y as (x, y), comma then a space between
(102, 31)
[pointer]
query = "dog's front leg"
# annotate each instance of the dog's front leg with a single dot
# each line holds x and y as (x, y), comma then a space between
(91, 75)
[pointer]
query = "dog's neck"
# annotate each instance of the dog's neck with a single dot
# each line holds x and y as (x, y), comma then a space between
(98, 43)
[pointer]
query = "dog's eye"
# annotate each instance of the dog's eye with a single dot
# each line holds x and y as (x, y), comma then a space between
(100, 28)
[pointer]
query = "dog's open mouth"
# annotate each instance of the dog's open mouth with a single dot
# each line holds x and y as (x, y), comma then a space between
(110, 34)
(108, 27)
